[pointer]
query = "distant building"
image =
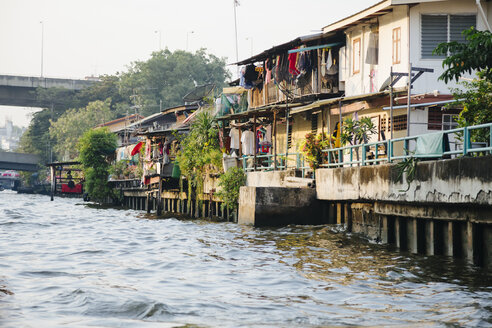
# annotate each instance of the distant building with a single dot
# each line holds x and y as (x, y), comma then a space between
(121, 122)
(10, 135)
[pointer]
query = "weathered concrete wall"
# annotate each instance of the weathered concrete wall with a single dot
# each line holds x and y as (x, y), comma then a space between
(454, 181)
(268, 179)
(276, 206)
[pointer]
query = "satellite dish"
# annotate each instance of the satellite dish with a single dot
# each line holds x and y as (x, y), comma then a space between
(199, 93)
(386, 84)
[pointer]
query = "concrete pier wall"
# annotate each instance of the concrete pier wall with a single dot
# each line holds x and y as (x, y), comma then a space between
(445, 210)
(277, 206)
(466, 180)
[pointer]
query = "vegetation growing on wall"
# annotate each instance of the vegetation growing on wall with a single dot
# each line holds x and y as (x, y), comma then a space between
(230, 182)
(94, 148)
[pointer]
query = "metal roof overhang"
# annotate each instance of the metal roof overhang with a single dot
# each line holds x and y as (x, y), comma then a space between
(162, 132)
(331, 101)
(429, 104)
(285, 47)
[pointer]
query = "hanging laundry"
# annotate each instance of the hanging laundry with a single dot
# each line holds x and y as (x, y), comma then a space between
(323, 63)
(292, 64)
(234, 134)
(268, 70)
(268, 134)
(331, 65)
(248, 142)
(372, 49)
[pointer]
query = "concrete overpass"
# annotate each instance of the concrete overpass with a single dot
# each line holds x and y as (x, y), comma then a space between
(21, 90)
(19, 162)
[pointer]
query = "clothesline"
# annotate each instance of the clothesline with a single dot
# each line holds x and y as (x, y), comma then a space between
(328, 45)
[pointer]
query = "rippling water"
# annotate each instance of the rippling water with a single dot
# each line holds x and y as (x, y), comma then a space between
(68, 264)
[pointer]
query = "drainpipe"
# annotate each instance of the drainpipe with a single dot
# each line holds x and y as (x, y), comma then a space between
(482, 13)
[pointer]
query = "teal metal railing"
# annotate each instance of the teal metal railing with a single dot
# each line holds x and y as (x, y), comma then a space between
(373, 153)
(267, 162)
(384, 151)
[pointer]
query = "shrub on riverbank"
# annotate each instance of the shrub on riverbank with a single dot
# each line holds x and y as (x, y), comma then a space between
(230, 182)
(95, 146)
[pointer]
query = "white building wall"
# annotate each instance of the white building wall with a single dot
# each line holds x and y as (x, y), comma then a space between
(429, 81)
(358, 83)
(388, 22)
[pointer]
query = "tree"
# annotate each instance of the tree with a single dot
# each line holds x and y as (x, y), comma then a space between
(357, 131)
(72, 124)
(94, 148)
(168, 76)
(474, 55)
(199, 149)
(476, 95)
(476, 99)
(36, 139)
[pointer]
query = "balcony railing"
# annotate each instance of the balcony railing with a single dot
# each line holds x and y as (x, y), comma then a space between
(374, 153)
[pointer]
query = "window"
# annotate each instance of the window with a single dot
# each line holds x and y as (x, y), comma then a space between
(397, 45)
(400, 123)
(314, 123)
(439, 119)
(449, 121)
(436, 29)
(356, 56)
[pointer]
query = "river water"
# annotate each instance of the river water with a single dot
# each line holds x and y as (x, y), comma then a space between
(65, 263)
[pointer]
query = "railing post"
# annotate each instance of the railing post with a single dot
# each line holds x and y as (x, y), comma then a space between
(363, 155)
(351, 156)
(389, 150)
(340, 158)
(466, 140)
(490, 138)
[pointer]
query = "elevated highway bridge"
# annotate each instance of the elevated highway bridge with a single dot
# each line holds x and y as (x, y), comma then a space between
(19, 162)
(21, 90)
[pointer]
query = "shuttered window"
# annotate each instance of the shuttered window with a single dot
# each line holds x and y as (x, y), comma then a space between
(443, 28)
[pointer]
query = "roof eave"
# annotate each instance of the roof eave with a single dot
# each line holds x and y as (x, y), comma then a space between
(346, 22)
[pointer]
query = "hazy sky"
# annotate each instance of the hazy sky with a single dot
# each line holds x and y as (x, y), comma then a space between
(94, 37)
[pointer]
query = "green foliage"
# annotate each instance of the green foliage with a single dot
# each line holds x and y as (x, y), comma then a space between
(312, 148)
(408, 166)
(36, 138)
(199, 151)
(72, 124)
(357, 131)
(230, 182)
(475, 54)
(94, 148)
(168, 76)
(476, 98)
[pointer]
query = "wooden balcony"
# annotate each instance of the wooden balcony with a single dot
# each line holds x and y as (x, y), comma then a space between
(271, 93)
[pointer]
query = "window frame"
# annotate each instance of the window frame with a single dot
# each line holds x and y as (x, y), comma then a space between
(396, 45)
(448, 30)
(354, 55)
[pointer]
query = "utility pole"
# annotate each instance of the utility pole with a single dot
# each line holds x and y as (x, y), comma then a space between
(42, 46)
(160, 38)
(187, 38)
(236, 3)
